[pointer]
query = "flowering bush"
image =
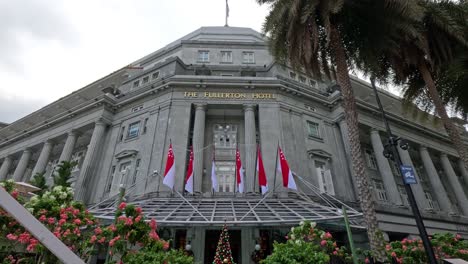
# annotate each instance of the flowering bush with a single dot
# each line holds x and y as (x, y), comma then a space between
(306, 244)
(412, 251)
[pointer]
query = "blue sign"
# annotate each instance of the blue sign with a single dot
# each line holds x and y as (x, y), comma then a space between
(408, 174)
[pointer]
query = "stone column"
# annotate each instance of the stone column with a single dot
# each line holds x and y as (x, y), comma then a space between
(5, 167)
(250, 146)
(440, 193)
(418, 190)
(384, 168)
(198, 145)
(455, 183)
(43, 158)
(345, 138)
(81, 186)
(68, 147)
(22, 165)
(463, 171)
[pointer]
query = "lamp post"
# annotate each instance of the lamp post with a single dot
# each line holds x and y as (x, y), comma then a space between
(391, 152)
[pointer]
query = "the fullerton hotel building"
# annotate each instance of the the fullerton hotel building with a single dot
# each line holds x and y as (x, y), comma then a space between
(217, 88)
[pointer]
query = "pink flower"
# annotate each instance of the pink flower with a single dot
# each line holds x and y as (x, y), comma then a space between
(61, 222)
(405, 248)
(122, 218)
(42, 218)
(76, 211)
(14, 194)
(89, 222)
(122, 206)
(153, 224)
(97, 231)
(388, 247)
(138, 210)
(12, 237)
(328, 235)
(153, 235)
(138, 219)
(24, 238)
(77, 221)
(393, 255)
(166, 245)
(51, 220)
(112, 228)
(323, 243)
(102, 240)
(93, 239)
(367, 260)
(64, 216)
(335, 252)
(129, 221)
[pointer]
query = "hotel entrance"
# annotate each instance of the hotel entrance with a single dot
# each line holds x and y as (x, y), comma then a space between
(211, 242)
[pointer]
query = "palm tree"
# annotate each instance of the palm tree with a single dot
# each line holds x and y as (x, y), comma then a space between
(421, 57)
(307, 34)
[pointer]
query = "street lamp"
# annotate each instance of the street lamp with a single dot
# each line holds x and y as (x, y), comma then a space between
(391, 152)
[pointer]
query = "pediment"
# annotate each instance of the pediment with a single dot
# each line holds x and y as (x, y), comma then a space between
(319, 153)
(126, 153)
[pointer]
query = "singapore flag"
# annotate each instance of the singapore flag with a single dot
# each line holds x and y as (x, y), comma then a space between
(169, 173)
(189, 179)
(283, 167)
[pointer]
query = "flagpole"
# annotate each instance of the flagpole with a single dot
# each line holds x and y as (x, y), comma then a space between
(255, 173)
(236, 188)
(276, 168)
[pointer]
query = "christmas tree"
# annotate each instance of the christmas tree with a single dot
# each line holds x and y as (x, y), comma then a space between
(223, 250)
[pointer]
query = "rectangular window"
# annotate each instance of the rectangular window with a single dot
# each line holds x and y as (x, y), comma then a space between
(136, 83)
(155, 75)
(379, 191)
(122, 132)
(403, 195)
(248, 57)
(203, 56)
(137, 168)
(313, 129)
(292, 75)
(133, 130)
(432, 204)
(145, 79)
(124, 169)
(302, 79)
(370, 159)
(226, 56)
(145, 124)
(324, 178)
(110, 179)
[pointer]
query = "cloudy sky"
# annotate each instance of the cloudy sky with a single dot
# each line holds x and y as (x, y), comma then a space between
(49, 48)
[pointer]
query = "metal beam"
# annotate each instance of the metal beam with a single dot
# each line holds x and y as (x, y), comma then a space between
(38, 230)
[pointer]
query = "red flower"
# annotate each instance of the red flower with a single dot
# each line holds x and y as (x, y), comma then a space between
(24, 238)
(93, 239)
(323, 243)
(138, 219)
(122, 206)
(14, 194)
(51, 220)
(328, 235)
(165, 245)
(129, 221)
(153, 235)
(42, 218)
(153, 224)
(77, 221)
(61, 222)
(98, 230)
(138, 210)
(102, 240)
(12, 237)
(63, 216)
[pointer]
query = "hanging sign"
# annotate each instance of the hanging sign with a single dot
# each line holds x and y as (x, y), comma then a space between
(408, 174)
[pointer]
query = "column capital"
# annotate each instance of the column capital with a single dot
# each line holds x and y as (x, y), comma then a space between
(249, 107)
(443, 155)
(374, 130)
(423, 147)
(73, 133)
(102, 122)
(48, 142)
(27, 150)
(200, 106)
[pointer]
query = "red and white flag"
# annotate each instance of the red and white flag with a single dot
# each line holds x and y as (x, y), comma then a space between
(262, 180)
(239, 173)
(189, 177)
(283, 167)
(214, 180)
(169, 173)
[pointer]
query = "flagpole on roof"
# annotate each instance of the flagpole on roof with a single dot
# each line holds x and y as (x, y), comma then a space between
(227, 14)
(276, 167)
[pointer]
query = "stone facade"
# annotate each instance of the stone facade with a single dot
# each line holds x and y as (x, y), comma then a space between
(219, 88)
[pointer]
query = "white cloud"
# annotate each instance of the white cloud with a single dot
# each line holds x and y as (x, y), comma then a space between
(50, 48)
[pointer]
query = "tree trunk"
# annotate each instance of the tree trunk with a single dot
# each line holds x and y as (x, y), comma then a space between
(452, 130)
(349, 103)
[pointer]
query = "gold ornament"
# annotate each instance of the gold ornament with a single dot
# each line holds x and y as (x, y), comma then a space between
(225, 260)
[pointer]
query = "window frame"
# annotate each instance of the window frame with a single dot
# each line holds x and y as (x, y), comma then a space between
(136, 125)
(153, 74)
(250, 60)
(309, 134)
(145, 80)
(371, 160)
(230, 56)
(136, 84)
(379, 191)
(202, 58)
